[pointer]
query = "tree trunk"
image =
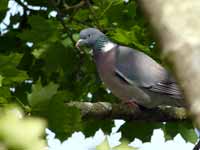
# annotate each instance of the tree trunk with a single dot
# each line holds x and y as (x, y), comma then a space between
(177, 25)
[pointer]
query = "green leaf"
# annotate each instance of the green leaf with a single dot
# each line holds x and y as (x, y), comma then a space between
(8, 69)
(124, 146)
(185, 128)
(1, 79)
(3, 8)
(57, 57)
(63, 120)
(12, 125)
(40, 96)
(63, 58)
(3, 4)
(129, 37)
(5, 96)
(90, 126)
(119, 13)
(3, 101)
(82, 14)
(123, 36)
(139, 129)
(5, 92)
(104, 145)
(5, 41)
(189, 135)
(15, 18)
(41, 30)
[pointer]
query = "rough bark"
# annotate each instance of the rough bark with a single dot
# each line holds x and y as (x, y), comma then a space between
(105, 110)
(177, 24)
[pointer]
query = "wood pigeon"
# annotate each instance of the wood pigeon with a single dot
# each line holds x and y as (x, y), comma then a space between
(131, 75)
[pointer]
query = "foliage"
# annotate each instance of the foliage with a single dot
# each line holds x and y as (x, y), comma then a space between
(20, 133)
(105, 146)
(39, 61)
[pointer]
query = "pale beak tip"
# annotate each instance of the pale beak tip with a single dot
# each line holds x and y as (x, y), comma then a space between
(77, 45)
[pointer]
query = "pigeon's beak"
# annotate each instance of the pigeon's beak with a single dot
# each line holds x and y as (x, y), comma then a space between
(80, 43)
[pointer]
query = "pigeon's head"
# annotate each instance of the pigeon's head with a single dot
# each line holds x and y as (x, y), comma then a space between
(88, 37)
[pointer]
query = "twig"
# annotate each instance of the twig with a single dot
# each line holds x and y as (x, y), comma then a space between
(23, 5)
(76, 6)
(106, 9)
(28, 7)
(57, 2)
(5, 24)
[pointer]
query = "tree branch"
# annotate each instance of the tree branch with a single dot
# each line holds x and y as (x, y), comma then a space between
(25, 7)
(102, 110)
(76, 6)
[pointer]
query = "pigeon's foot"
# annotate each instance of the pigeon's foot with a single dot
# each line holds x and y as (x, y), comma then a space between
(131, 105)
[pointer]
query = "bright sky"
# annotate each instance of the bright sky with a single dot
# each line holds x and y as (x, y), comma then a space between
(14, 8)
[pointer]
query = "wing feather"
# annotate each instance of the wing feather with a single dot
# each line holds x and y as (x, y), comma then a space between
(137, 68)
(170, 89)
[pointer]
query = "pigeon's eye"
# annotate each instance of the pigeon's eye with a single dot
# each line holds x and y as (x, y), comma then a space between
(89, 35)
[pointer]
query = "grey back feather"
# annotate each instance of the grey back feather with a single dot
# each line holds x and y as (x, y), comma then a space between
(141, 69)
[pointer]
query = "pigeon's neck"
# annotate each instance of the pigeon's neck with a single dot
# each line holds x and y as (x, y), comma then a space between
(103, 44)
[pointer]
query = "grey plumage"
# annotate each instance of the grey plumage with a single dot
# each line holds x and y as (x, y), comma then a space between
(131, 74)
(145, 72)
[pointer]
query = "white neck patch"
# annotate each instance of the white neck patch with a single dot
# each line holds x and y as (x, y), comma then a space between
(108, 46)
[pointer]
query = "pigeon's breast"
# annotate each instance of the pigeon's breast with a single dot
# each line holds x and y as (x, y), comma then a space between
(105, 63)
